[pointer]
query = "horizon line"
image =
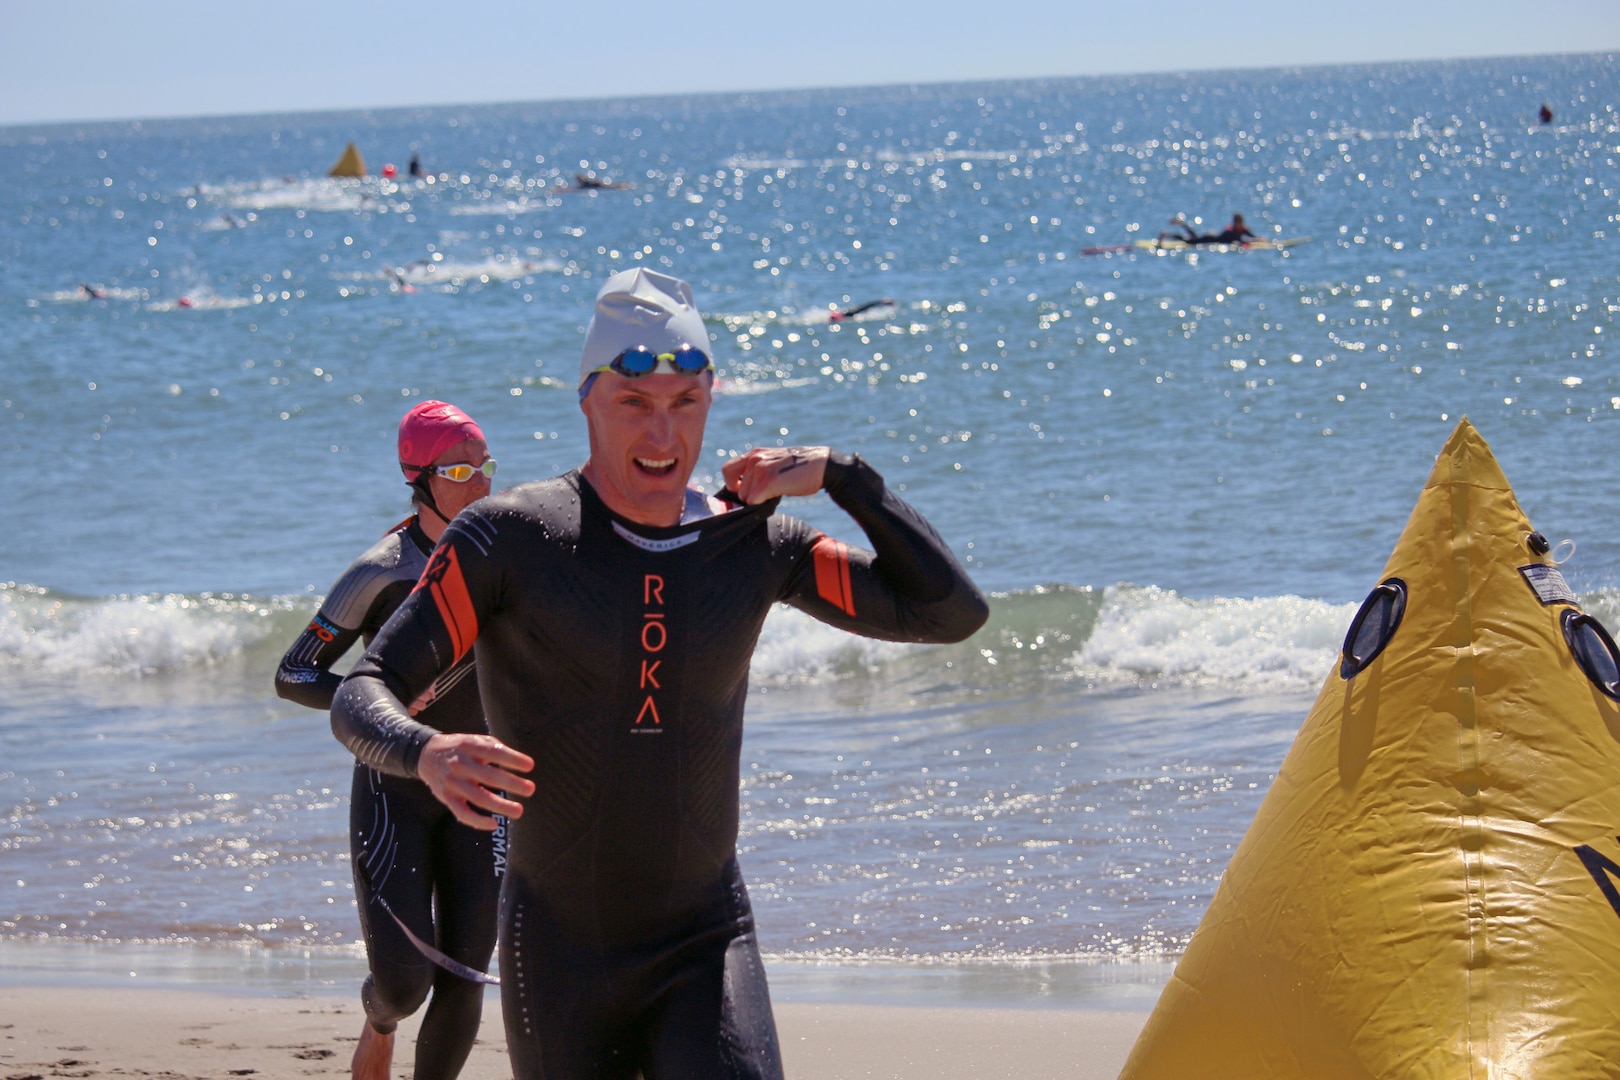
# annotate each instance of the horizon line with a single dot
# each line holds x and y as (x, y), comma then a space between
(779, 90)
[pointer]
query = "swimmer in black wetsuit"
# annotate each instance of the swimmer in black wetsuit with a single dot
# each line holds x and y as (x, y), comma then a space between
(413, 862)
(1235, 233)
(850, 313)
(615, 613)
(589, 181)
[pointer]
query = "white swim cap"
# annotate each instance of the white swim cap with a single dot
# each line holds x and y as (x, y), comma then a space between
(641, 308)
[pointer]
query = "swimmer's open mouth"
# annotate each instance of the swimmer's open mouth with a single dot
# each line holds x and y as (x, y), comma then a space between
(656, 467)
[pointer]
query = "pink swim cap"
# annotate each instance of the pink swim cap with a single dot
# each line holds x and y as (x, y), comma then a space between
(428, 430)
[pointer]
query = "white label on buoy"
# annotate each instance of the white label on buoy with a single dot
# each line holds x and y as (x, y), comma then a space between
(1548, 583)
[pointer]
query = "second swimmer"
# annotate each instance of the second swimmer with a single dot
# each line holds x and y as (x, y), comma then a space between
(417, 871)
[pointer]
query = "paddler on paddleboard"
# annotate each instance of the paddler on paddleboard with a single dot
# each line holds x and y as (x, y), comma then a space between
(425, 884)
(1236, 232)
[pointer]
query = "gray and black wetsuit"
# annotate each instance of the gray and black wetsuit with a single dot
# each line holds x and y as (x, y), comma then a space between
(410, 855)
(616, 655)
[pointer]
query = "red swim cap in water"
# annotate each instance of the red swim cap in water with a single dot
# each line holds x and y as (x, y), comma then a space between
(428, 430)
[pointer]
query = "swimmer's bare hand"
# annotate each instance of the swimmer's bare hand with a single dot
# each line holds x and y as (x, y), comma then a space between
(467, 774)
(767, 472)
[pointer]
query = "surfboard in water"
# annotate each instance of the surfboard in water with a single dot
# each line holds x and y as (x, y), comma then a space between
(1253, 245)
(1430, 886)
(350, 164)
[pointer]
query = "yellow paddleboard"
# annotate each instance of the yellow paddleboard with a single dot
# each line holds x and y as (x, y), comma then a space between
(1169, 244)
(1429, 887)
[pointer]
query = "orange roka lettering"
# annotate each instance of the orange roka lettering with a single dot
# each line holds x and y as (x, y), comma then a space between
(654, 636)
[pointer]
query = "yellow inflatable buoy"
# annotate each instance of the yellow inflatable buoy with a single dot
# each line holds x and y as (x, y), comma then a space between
(1430, 887)
(350, 164)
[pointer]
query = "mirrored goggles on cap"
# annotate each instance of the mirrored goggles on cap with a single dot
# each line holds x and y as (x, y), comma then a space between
(461, 472)
(639, 360)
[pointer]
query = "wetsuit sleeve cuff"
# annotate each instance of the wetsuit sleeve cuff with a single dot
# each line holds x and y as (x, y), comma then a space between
(413, 752)
(850, 479)
(373, 724)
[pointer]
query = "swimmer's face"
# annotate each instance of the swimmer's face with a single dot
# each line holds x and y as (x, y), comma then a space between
(451, 497)
(646, 435)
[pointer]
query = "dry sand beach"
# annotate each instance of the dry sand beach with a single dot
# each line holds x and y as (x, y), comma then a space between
(181, 1035)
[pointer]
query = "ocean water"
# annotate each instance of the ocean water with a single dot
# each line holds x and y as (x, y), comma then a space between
(1178, 473)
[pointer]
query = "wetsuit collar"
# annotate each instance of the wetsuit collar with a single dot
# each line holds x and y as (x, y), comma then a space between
(413, 529)
(658, 534)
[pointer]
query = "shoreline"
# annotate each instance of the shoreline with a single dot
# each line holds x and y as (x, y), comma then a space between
(252, 971)
(188, 1012)
(192, 1034)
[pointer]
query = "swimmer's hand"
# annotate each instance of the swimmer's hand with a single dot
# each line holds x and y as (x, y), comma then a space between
(767, 472)
(423, 700)
(467, 774)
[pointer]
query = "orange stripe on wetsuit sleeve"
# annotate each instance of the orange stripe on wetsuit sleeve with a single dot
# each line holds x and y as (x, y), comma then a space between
(832, 574)
(449, 591)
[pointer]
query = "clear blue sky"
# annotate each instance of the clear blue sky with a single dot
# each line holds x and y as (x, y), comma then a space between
(113, 59)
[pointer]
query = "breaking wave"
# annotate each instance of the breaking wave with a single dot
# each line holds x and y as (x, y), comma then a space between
(1122, 636)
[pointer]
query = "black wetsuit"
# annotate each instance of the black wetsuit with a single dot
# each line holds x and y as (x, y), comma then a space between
(617, 655)
(1228, 235)
(860, 308)
(439, 877)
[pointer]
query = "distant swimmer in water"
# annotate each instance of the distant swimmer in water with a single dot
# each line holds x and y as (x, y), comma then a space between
(1546, 113)
(91, 293)
(398, 276)
(1234, 233)
(415, 168)
(850, 313)
(589, 181)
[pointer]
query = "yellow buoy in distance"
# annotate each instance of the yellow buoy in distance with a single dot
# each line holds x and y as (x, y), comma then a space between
(350, 164)
(1429, 888)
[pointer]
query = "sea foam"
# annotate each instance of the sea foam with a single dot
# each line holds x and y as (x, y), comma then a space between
(1154, 635)
(126, 635)
(1058, 636)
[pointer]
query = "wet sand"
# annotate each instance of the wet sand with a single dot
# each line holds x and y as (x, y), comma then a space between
(183, 1034)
